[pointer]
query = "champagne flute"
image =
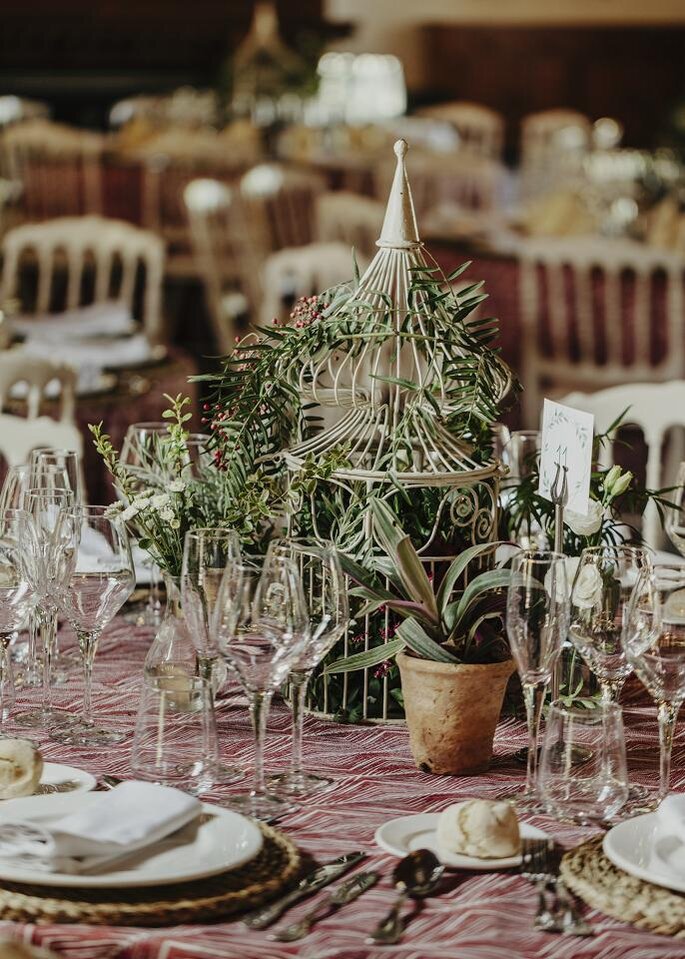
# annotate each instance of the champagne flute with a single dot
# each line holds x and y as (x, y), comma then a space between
(14, 487)
(17, 481)
(537, 621)
(261, 623)
(57, 469)
(99, 582)
(16, 594)
(326, 597)
(50, 553)
(206, 554)
(655, 645)
(601, 591)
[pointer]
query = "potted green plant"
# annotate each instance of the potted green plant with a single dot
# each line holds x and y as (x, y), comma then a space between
(449, 644)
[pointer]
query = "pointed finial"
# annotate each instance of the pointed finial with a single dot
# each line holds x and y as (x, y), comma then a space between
(399, 227)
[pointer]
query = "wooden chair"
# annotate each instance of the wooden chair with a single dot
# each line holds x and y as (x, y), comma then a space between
(224, 256)
(590, 309)
(280, 202)
(351, 219)
(654, 408)
(115, 252)
(480, 129)
(303, 271)
(59, 167)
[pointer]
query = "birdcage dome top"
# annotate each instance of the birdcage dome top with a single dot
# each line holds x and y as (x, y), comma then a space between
(395, 368)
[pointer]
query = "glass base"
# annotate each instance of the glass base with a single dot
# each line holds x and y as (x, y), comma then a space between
(641, 800)
(39, 718)
(297, 785)
(524, 801)
(266, 807)
(217, 774)
(81, 734)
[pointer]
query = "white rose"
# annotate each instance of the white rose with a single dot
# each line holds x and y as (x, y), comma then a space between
(587, 587)
(585, 525)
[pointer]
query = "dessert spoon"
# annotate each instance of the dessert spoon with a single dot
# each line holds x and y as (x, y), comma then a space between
(415, 876)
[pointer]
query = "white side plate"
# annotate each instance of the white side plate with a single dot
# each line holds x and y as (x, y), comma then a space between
(217, 841)
(404, 835)
(634, 847)
(58, 778)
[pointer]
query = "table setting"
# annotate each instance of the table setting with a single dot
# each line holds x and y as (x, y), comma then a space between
(394, 697)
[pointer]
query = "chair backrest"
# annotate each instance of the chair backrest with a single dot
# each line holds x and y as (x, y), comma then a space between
(480, 129)
(280, 201)
(19, 436)
(655, 408)
(222, 247)
(17, 367)
(18, 109)
(351, 219)
(115, 251)
(553, 146)
(60, 167)
(595, 312)
(303, 271)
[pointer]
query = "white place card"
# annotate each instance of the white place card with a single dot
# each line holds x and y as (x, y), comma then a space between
(566, 439)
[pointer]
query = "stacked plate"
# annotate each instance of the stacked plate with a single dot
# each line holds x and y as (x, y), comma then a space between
(642, 848)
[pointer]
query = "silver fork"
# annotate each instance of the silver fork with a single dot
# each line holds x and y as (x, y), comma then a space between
(535, 859)
(540, 864)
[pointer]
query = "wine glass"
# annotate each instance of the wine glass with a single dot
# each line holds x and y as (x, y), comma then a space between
(324, 590)
(655, 645)
(206, 554)
(16, 483)
(16, 593)
(50, 553)
(601, 590)
(14, 487)
(100, 581)
(521, 454)
(261, 623)
(593, 791)
(57, 469)
(537, 621)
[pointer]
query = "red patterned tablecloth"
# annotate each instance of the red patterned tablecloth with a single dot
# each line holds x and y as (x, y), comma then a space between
(477, 916)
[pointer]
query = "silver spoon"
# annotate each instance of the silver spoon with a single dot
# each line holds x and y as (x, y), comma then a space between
(415, 876)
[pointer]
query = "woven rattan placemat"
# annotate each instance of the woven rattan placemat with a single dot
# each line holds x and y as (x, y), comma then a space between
(593, 877)
(218, 897)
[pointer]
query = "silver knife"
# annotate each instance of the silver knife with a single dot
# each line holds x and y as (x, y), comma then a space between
(312, 882)
(342, 895)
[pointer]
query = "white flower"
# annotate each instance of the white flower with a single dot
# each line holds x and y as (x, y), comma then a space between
(175, 523)
(167, 514)
(160, 501)
(585, 525)
(177, 486)
(587, 587)
(114, 509)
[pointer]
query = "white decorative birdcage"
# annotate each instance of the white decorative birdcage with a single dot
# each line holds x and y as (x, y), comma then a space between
(389, 390)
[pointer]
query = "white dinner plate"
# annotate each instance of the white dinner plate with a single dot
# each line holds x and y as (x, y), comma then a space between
(218, 840)
(57, 778)
(633, 846)
(404, 835)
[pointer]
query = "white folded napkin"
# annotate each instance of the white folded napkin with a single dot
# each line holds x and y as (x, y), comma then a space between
(99, 319)
(92, 353)
(132, 816)
(668, 848)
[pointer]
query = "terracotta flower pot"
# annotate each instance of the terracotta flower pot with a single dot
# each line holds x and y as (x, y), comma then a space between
(452, 712)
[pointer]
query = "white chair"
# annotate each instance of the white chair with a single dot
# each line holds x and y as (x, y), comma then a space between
(114, 250)
(303, 271)
(553, 146)
(18, 437)
(655, 408)
(224, 256)
(18, 109)
(580, 329)
(60, 168)
(351, 219)
(18, 368)
(280, 202)
(480, 129)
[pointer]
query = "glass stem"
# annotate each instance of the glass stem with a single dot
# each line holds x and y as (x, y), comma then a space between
(5, 676)
(611, 690)
(88, 642)
(667, 714)
(534, 695)
(48, 631)
(205, 665)
(259, 711)
(32, 659)
(299, 681)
